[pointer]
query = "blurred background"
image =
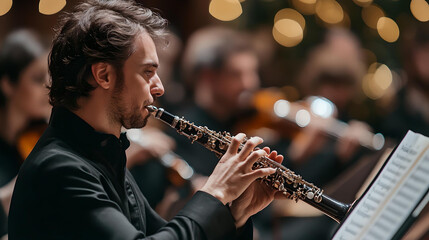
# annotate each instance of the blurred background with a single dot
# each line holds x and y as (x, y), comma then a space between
(331, 85)
(285, 31)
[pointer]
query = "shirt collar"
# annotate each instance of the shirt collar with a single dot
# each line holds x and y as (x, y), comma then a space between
(97, 146)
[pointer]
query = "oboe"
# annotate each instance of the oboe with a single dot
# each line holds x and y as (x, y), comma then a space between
(284, 180)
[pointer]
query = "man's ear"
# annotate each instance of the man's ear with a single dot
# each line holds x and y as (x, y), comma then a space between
(102, 73)
(6, 87)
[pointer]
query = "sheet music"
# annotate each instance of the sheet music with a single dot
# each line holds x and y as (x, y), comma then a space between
(393, 196)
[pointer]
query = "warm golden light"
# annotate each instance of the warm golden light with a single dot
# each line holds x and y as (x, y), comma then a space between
(5, 6)
(308, 1)
(292, 14)
(420, 10)
(49, 7)
(370, 88)
(377, 81)
(373, 67)
(330, 11)
(363, 3)
(287, 32)
(383, 77)
(371, 14)
(388, 29)
(225, 10)
(307, 7)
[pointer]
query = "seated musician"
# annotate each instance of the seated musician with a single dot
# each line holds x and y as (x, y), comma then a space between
(74, 184)
(23, 99)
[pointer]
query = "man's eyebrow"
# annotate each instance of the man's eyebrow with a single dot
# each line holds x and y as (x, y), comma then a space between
(151, 64)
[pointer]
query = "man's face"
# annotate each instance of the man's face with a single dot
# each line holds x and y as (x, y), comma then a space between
(240, 76)
(141, 85)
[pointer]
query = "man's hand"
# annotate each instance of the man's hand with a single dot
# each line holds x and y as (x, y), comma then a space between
(256, 197)
(234, 174)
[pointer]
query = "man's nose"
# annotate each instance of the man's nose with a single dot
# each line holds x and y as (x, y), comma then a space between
(157, 89)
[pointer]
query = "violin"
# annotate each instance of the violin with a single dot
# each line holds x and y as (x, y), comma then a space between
(29, 137)
(282, 118)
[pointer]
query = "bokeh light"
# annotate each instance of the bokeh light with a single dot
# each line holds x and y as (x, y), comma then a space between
(49, 7)
(303, 118)
(329, 11)
(378, 141)
(287, 32)
(363, 3)
(420, 10)
(376, 82)
(292, 14)
(225, 10)
(307, 7)
(383, 77)
(388, 29)
(282, 108)
(5, 6)
(371, 15)
(322, 107)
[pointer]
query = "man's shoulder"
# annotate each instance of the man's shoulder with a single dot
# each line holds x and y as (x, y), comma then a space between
(51, 154)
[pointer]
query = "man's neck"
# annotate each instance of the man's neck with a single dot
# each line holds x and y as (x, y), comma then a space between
(94, 112)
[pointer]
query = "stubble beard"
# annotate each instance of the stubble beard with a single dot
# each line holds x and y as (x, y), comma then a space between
(127, 116)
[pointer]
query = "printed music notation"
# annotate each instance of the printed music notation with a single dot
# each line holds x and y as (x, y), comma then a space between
(400, 191)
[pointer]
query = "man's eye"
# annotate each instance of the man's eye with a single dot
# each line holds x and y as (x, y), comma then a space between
(148, 72)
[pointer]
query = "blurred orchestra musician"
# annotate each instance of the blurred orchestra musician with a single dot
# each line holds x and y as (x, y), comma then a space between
(333, 71)
(23, 101)
(75, 185)
(410, 110)
(221, 69)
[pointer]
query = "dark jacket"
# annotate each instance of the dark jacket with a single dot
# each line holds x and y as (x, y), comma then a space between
(74, 185)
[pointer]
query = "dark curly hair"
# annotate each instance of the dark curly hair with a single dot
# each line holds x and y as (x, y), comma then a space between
(96, 31)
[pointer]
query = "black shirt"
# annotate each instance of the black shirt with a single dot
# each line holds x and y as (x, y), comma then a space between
(74, 185)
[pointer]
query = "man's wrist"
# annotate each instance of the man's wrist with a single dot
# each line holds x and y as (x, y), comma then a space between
(215, 193)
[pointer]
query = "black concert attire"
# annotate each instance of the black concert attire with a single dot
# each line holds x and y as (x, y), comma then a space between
(74, 185)
(10, 161)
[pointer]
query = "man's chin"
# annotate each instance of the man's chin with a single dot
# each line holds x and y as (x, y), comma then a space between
(136, 123)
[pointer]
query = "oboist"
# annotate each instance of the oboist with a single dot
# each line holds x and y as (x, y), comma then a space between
(284, 180)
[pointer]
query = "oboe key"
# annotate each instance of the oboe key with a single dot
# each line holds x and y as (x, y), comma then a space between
(310, 195)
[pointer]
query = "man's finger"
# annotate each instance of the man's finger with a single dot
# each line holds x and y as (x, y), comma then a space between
(250, 145)
(235, 143)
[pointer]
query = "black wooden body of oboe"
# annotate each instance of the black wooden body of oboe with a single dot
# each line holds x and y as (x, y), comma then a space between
(283, 180)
